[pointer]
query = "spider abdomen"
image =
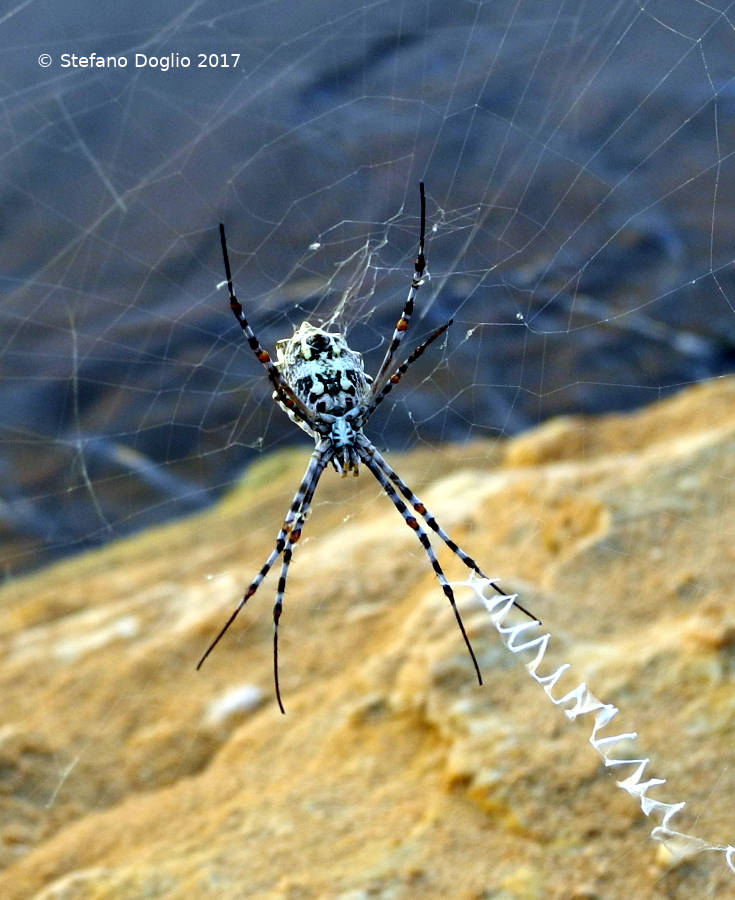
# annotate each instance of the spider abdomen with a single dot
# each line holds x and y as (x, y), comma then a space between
(324, 373)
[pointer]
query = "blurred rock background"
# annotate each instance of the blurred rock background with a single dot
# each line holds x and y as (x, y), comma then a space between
(125, 773)
(579, 163)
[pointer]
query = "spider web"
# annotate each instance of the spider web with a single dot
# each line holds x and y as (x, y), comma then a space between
(579, 161)
(578, 168)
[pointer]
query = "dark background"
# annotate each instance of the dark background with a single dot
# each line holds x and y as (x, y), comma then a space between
(579, 166)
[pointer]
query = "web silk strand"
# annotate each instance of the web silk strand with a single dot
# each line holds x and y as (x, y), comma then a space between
(580, 701)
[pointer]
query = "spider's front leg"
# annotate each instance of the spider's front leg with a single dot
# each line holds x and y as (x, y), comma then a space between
(288, 535)
(413, 523)
(416, 503)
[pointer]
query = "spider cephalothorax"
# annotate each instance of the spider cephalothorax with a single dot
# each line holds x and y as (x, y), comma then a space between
(321, 384)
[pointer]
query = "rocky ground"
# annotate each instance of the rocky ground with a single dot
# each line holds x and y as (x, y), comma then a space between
(125, 773)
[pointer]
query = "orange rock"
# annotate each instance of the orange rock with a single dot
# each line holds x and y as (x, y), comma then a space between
(125, 773)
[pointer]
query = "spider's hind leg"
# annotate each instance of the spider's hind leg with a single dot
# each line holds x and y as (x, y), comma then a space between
(405, 317)
(282, 390)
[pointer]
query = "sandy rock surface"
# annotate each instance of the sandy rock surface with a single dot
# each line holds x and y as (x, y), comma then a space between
(125, 773)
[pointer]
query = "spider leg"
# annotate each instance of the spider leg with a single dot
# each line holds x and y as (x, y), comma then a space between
(405, 318)
(435, 526)
(401, 370)
(383, 481)
(293, 536)
(293, 522)
(285, 394)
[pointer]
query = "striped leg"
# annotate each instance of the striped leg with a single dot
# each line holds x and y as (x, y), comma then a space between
(382, 479)
(405, 318)
(435, 526)
(401, 370)
(291, 524)
(293, 536)
(284, 392)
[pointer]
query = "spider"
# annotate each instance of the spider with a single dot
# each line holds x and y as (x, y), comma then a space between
(322, 386)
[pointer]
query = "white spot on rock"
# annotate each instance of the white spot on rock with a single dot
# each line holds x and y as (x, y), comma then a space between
(238, 700)
(73, 647)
